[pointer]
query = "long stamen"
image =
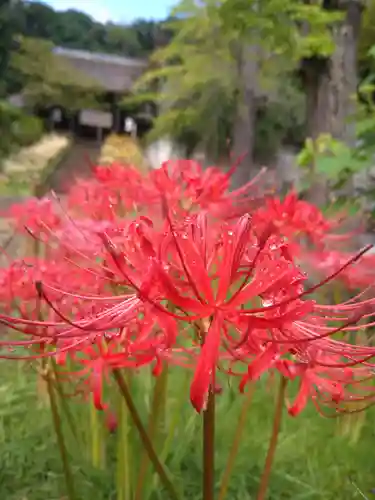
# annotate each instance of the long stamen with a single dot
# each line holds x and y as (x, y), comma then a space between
(313, 288)
(181, 257)
(144, 296)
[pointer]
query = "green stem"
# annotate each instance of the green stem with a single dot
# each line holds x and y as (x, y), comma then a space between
(172, 426)
(337, 293)
(163, 396)
(175, 420)
(209, 448)
(96, 437)
(123, 387)
(236, 443)
(273, 441)
(60, 439)
(123, 453)
(156, 414)
(64, 406)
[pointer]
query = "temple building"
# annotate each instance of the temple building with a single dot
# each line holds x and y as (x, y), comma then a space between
(114, 77)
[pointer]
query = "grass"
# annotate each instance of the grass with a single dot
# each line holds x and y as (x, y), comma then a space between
(30, 466)
(314, 461)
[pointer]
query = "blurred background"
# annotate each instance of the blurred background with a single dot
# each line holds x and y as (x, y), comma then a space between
(287, 83)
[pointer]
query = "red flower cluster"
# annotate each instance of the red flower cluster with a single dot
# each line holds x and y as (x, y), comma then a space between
(201, 278)
(326, 261)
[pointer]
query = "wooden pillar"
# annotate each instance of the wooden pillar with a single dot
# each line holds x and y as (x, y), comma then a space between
(73, 123)
(117, 119)
(134, 132)
(99, 134)
(116, 115)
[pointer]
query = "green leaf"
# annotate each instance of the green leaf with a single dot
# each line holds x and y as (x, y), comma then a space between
(331, 167)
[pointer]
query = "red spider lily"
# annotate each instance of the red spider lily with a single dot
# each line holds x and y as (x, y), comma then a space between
(194, 289)
(295, 218)
(329, 382)
(187, 187)
(34, 214)
(220, 274)
(332, 380)
(358, 277)
(114, 191)
(196, 264)
(138, 344)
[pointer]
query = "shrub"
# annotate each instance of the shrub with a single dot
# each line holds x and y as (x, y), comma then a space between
(17, 129)
(27, 130)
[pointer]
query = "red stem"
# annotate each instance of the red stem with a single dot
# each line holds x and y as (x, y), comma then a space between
(209, 448)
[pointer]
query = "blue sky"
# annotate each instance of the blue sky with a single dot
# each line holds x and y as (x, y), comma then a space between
(117, 10)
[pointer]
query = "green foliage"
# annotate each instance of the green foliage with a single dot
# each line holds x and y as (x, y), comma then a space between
(367, 39)
(76, 30)
(280, 121)
(49, 80)
(365, 119)
(193, 81)
(17, 129)
(314, 460)
(30, 464)
(288, 28)
(71, 29)
(27, 130)
(334, 159)
(197, 72)
(8, 27)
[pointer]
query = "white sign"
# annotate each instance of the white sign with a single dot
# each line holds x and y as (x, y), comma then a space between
(95, 118)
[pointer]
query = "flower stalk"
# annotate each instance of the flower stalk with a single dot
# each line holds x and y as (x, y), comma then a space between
(96, 438)
(123, 387)
(64, 404)
(172, 426)
(236, 443)
(209, 447)
(156, 415)
(263, 486)
(57, 424)
(124, 480)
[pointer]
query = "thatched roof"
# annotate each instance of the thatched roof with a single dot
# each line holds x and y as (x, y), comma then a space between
(113, 73)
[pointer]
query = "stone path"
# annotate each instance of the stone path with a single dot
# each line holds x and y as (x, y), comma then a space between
(75, 165)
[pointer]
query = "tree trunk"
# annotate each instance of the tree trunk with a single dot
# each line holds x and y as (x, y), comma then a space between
(331, 87)
(343, 72)
(317, 81)
(244, 123)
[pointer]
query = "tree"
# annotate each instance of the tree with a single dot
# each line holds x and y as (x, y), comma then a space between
(331, 84)
(71, 29)
(50, 81)
(226, 58)
(36, 20)
(76, 30)
(8, 27)
(196, 73)
(366, 39)
(123, 41)
(271, 42)
(17, 129)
